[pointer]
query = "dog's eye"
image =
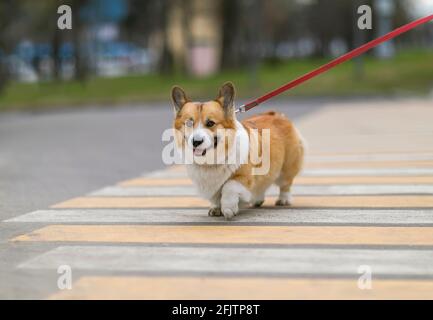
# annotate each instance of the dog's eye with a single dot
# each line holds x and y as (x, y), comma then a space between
(210, 123)
(189, 123)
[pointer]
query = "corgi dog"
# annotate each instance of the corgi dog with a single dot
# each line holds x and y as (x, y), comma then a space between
(229, 185)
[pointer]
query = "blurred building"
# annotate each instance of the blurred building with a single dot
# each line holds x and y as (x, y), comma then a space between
(195, 35)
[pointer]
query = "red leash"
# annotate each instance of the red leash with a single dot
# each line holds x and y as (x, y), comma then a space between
(347, 56)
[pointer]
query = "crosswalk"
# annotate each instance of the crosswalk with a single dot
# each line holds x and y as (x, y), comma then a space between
(150, 237)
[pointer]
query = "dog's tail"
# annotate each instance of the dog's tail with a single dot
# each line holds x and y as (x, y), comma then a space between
(271, 113)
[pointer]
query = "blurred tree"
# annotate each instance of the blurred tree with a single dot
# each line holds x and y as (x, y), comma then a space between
(38, 13)
(41, 26)
(165, 64)
(254, 39)
(142, 21)
(281, 23)
(241, 22)
(231, 14)
(7, 40)
(328, 20)
(81, 71)
(147, 24)
(401, 16)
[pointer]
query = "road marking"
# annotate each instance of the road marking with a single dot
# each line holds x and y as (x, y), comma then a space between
(364, 180)
(250, 216)
(215, 234)
(160, 260)
(368, 172)
(116, 191)
(314, 190)
(222, 288)
(298, 181)
(367, 164)
(349, 164)
(157, 182)
(133, 202)
(325, 172)
(370, 157)
(163, 174)
(298, 202)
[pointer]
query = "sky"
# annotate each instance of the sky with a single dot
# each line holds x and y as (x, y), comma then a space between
(422, 7)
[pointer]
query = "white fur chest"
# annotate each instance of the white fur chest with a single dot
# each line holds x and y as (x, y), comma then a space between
(209, 179)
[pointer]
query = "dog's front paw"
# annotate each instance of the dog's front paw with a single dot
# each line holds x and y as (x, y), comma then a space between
(233, 192)
(214, 212)
(229, 212)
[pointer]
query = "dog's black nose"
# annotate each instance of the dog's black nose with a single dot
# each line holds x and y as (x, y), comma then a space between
(196, 142)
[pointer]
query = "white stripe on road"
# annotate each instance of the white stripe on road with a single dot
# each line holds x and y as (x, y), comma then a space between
(257, 261)
(313, 190)
(166, 174)
(371, 157)
(410, 171)
(116, 191)
(368, 172)
(253, 216)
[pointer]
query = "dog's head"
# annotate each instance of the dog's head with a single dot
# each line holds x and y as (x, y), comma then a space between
(205, 127)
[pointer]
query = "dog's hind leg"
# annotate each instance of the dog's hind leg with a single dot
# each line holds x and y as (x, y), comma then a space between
(258, 200)
(291, 167)
(285, 197)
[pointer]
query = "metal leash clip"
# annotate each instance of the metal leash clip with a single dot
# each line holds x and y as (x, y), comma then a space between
(241, 109)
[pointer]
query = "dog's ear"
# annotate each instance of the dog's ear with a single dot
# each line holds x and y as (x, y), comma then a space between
(226, 97)
(179, 97)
